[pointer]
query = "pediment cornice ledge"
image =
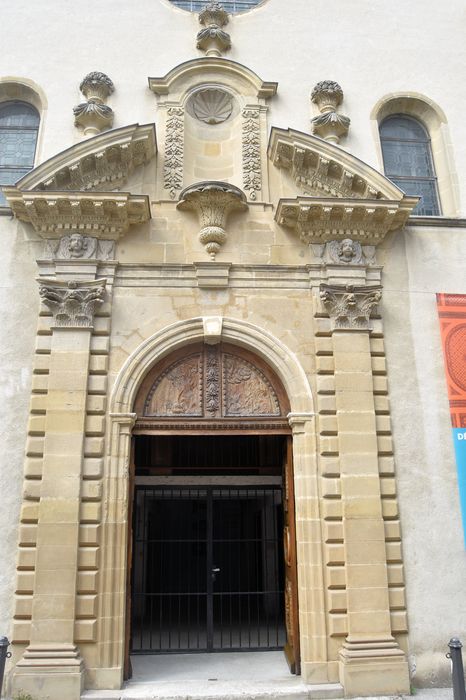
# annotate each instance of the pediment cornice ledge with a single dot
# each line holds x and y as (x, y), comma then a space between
(322, 168)
(319, 220)
(105, 215)
(102, 162)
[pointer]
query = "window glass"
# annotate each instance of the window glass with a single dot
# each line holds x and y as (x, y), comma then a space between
(407, 158)
(228, 5)
(19, 124)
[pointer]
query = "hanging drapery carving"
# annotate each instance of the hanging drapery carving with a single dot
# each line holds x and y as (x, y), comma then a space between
(174, 146)
(211, 383)
(252, 175)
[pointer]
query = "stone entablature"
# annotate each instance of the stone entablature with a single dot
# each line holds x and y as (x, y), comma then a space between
(105, 215)
(100, 163)
(321, 219)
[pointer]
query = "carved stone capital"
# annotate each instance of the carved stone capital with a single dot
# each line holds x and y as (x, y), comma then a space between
(94, 115)
(213, 39)
(329, 125)
(73, 304)
(350, 307)
(213, 202)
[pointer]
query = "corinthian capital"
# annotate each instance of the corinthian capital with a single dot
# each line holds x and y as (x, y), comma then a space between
(73, 304)
(350, 307)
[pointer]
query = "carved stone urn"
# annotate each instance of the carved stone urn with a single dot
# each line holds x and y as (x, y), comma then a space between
(94, 115)
(213, 39)
(213, 202)
(330, 125)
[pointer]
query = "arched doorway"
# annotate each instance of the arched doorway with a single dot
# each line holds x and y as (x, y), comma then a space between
(212, 556)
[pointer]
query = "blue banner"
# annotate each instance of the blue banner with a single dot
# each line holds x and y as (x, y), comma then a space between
(459, 439)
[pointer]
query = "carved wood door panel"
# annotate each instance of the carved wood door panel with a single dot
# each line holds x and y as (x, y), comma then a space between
(292, 651)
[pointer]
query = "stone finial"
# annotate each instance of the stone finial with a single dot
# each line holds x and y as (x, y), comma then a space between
(73, 303)
(213, 39)
(330, 125)
(213, 202)
(350, 307)
(94, 115)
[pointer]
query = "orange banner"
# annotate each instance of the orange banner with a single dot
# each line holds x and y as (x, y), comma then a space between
(452, 314)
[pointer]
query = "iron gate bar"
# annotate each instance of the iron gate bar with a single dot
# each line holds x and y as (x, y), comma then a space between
(172, 597)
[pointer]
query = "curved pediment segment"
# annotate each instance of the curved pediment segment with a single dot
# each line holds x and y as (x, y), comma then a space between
(103, 162)
(212, 70)
(321, 169)
(318, 220)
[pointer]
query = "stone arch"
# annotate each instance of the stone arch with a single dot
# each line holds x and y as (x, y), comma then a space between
(116, 492)
(434, 119)
(247, 335)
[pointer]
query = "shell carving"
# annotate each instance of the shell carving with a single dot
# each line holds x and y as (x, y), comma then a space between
(212, 106)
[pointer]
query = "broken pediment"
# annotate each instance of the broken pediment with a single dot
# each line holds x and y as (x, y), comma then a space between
(319, 168)
(103, 162)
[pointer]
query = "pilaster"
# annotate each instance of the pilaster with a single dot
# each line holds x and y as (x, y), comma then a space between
(370, 659)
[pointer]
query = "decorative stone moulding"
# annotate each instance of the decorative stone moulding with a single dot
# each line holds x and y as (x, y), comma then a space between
(211, 106)
(318, 167)
(212, 39)
(330, 125)
(213, 202)
(103, 215)
(94, 115)
(350, 307)
(317, 220)
(73, 304)
(103, 162)
(345, 252)
(252, 166)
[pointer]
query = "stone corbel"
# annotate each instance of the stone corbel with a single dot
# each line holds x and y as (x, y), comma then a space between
(350, 307)
(213, 202)
(73, 304)
(213, 39)
(94, 115)
(330, 125)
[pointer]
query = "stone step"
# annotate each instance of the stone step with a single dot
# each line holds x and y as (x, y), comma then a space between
(293, 689)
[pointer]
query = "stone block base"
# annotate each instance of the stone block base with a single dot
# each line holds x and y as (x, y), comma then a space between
(48, 673)
(382, 670)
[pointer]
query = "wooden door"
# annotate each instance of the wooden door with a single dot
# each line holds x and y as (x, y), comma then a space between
(289, 547)
(127, 669)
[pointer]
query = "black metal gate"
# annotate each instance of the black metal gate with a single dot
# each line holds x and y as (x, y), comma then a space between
(207, 569)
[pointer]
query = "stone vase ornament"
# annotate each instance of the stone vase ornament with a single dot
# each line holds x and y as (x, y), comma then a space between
(213, 202)
(94, 115)
(213, 39)
(330, 125)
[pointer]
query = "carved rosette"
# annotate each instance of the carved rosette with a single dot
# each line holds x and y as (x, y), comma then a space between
(94, 115)
(330, 125)
(350, 307)
(73, 304)
(252, 173)
(174, 149)
(213, 39)
(213, 202)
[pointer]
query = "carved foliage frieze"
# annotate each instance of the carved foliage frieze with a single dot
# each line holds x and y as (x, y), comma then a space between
(252, 175)
(73, 304)
(350, 307)
(212, 384)
(174, 148)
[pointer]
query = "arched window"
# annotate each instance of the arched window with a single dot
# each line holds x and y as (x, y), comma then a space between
(228, 5)
(407, 158)
(19, 125)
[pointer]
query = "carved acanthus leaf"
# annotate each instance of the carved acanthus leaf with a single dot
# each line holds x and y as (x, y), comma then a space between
(174, 151)
(252, 173)
(350, 307)
(74, 303)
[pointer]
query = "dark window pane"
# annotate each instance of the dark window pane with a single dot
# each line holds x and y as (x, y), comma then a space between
(18, 114)
(228, 5)
(19, 124)
(408, 161)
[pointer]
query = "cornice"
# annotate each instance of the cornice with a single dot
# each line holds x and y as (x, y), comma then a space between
(102, 162)
(210, 68)
(320, 167)
(102, 215)
(321, 219)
